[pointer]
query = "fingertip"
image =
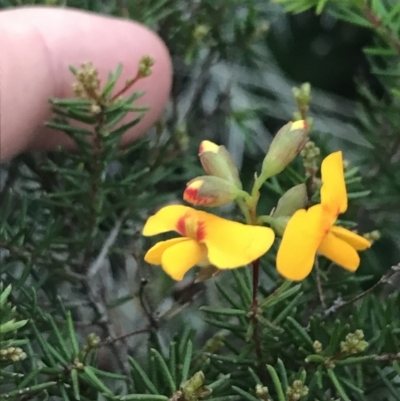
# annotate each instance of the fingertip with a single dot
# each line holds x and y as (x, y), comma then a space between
(41, 43)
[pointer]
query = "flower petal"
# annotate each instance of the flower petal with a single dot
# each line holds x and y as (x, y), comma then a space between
(178, 259)
(166, 219)
(303, 234)
(154, 254)
(333, 190)
(340, 252)
(231, 244)
(358, 242)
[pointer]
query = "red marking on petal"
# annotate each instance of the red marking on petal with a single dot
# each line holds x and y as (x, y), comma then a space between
(189, 226)
(192, 195)
(181, 225)
(200, 232)
(201, 148)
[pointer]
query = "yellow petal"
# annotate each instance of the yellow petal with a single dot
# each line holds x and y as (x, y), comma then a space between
(333, 190)
(208, 146)
(340, 252)
(166, 219)
(358, 242)
(154, 254)
(178, 259)
(303, 234)
(231, 244)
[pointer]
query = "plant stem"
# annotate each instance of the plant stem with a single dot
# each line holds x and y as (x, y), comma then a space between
(244, 209)
(381, 28)
(256, 276)
(254, 316)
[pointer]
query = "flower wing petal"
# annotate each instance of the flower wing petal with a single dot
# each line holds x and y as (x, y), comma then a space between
(358, 242)
(340, 252)
(231, 244)
(333, 190)
(303, 234)
(165, 220)
(154, 254)
(178, 259)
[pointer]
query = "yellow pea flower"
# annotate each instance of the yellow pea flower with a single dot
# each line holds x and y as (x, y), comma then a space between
(206, 239)
(312, 231)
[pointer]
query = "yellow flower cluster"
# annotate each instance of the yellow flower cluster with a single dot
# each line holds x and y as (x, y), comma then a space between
(209, 240)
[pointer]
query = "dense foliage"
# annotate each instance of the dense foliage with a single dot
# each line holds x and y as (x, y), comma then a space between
(83, 317)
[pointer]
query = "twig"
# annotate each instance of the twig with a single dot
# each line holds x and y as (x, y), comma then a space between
(100, 310)
(12, 176)
(98, 262)
(111, 340)
(147, 312)
(339, 304)
(319, 284)
(381, 27)
(254, 316)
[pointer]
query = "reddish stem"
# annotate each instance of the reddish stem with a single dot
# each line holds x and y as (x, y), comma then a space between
(127, 86)
(254, 310)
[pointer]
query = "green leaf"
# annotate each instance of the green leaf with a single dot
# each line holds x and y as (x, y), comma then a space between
(141, 397)
(12, 325)
(61, 343)
(75, 383)
(172, 361)
(279, 295)
(95, 381)
(243, 290)
(277, 383)
(4, 295)
(223, 311)
(219, 383)
(335, 338)
(337, 385)
(187, 361)
(72, 335)
(289, 309)
(143, 376)
(298, 329)
(163, 370)
(244, 394)
(30, 390)
(389, 385)
(282, 374)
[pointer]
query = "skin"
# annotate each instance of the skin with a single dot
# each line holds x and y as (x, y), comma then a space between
(37, 46)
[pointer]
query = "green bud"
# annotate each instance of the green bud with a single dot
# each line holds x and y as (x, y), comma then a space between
(210, 191)
(297, 390)
(278, 224)
(262, 392)
(145, 64)
(200, 31)
(194, 388)
(291, 201)
(285, 146)
(354, 343)
(317, 346)
(93, 340)
(217, 161)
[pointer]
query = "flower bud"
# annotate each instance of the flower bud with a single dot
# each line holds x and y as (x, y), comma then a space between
(286, 145)
(291, 201)
(217, 161)
(278, 224)
(210, 191)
